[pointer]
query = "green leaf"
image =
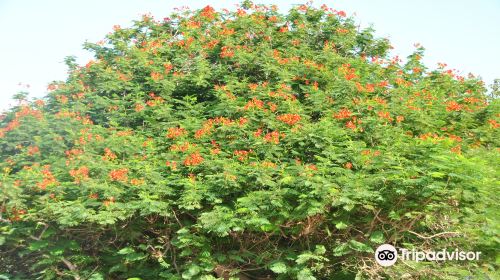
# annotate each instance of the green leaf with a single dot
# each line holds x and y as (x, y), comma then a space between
(126, 250)
(37, 245)
(278, 267)
(361, 247)
(192, 271)
(340, 225)
(305, 274)
(377, 237)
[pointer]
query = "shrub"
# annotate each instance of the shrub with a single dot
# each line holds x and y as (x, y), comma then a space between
(248, 144)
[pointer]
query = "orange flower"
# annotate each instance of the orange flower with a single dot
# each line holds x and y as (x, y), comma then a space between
(168, 67)
(254, 103)
(453, 106)
(108, 154)
(32, 150)
(384, 115)
(208, 12)
(348, 165)
(289, 119)
(273, 107)
(494, 123)
(455, 138)
(193, 159)
(175, 132)
(273, 137)
(139, 107)
(342, 30)
(348, 72)
(370, 87)
(156, 76)
(226, 52)
(62, 98)
(48, 178)
(457, 150)
(400, 119)
(258, 132)
(341, 14)
(242, 154)
(350, 125)
(253, 87)
(268, 164)
(109, 201)
(137, 182)
(182, 147)
(80, 174)
(172, 165)
(242, 121)
(73, 152)
(40, 103)
(343, 114)
(119, 175)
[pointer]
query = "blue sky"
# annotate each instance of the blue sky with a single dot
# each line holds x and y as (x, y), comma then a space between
(37, 35)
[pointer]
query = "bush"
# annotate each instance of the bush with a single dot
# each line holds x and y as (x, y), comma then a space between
(248, 144)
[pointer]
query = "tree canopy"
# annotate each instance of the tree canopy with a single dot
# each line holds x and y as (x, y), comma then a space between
(248, 144)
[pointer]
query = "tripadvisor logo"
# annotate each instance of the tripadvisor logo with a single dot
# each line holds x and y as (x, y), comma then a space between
(386, 255)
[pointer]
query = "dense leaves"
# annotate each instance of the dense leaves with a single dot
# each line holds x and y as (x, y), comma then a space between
(248, 144)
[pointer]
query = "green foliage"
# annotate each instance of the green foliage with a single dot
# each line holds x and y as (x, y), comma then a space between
(248, 145)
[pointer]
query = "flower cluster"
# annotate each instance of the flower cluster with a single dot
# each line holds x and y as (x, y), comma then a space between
(176, 132)
(193, 159)
(289, 119)
(80, 174)
(119, 175)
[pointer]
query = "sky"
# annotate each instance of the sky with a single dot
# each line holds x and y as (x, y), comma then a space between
(36, 35)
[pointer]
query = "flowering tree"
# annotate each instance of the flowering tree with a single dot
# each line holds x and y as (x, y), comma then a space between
(248, 144)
